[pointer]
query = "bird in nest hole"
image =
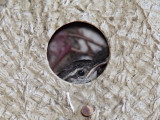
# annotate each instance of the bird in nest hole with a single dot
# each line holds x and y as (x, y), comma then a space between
(84, 71)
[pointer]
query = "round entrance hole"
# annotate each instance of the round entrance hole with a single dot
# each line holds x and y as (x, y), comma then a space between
(78, 52)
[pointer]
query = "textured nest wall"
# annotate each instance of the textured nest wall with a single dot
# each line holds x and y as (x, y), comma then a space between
(128, 89)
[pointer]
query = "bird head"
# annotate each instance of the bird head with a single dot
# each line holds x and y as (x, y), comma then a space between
(81, 71)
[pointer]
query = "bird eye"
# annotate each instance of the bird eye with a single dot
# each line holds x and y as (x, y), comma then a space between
(81, 72)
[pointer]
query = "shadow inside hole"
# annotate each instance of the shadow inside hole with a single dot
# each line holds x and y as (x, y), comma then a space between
(78, 52)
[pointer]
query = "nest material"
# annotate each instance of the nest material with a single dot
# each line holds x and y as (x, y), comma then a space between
(128, 89)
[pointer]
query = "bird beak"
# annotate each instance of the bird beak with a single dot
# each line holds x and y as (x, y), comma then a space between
(96, 67)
